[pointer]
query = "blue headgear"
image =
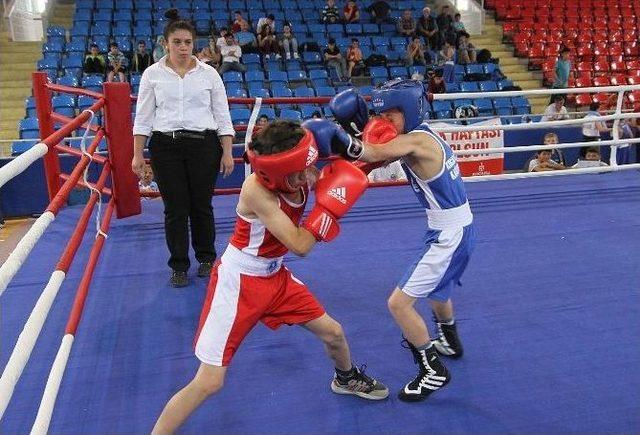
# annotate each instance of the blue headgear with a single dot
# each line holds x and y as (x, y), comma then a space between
(408, 96)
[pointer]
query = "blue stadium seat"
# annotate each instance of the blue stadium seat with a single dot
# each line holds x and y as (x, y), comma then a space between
(308, 111)
(311, 57)
(398, 71)
(278, 76)
(297, 75)
(292, 115)
(504, 84)
(304, 92)
(326, 91)
(366, 90)
(254, 76)
(489, 68)
(484, 105)
(353, 29)
(379, 72)
(469, 87)
(29, 128)
(379, 41)
(488, 86)
(520, 105)
(282, 92)
(316, 83)
(250, 58)
(441, 105)
(56, 31)
(452, 87)
(474, 68)
(21, 146)
(93, 83)
(270, 112)
(48, 64)
(462, 102)
(240, 116)
(293, 65)
(259, 92)
(74, 61)
(232, 76)
(370, 29)
(53, 47)
(63, 101)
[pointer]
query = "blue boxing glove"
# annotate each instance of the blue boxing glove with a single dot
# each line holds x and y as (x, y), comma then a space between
(350, 110)
(332, 139)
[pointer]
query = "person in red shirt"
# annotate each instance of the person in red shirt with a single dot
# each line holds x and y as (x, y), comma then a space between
(251, 283)
(351, 12)
(239, 23)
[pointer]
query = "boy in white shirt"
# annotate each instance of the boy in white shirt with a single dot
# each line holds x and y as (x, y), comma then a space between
(590, 160)
(555, 111)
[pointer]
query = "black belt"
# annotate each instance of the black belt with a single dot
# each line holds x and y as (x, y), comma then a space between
(185, 134)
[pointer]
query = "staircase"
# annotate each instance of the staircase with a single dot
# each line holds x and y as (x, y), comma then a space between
(17, 62)
(514, 68)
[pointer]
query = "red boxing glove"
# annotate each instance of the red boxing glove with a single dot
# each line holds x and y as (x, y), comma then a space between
(379, 131)
(338, 188)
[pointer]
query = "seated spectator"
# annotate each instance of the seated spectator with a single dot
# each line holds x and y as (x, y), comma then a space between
(556, 111)
(543, 162)
(146, 183)
(140, 60)
(269, 20)
(289, 43)
(427, 27)
(556, 154)
(445, 27)
(447, 54)
(391, 172)
(239, 23)
(591, 159)
(415, 52)
(159, 50)
(436, 81)
(206, 55)
(379, 11)
(330, 14)
(221, 39)
(231, 54)
(216, 57)
(334, 58)
(351, 12)
(117, 64)
(267, 43)
(261, 122)
(406, 24)
(94, 62)
(354, 58)
(457, 24)
(466, 50)
(316, 115)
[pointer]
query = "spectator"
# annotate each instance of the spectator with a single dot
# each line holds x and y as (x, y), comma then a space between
(334, 58)
(543, 163)
(231, 54)
(94, 62)
(466, 50)
(269, 20)
(447, 54)
(159, 50)
(591, 159)
(239, 23)
(436, 81)
(562, 69)
(428, 28)
(206, 55)
(391, 172)
(379, 11)
(289, 43)
(406, 24)
(216, 57)
(556, 111)
(458, 25)
(591, 130)
(329, 13)
(117, 64)
(445, 26)
(556, 154)
(221, 39)
(354, 58)
(316, 115)
(624, 132)
(140, 60)
(351, 12)
(268, 44)
(415, 52)
(146, 183)
(261, 122)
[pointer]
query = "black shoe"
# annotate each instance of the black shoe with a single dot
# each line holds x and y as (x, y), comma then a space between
(179, 279)
(432, 375)
(360, 385)
(204, 270)
(448, 343)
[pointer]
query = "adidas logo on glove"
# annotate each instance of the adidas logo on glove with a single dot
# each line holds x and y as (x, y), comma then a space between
(339, 193)
(311, 157)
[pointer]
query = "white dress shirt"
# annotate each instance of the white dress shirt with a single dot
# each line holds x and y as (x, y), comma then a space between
(552, 114)
(230, 53)
(167, 102)
(590, 129)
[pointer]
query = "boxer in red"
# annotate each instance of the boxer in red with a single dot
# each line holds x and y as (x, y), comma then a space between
(250, 283)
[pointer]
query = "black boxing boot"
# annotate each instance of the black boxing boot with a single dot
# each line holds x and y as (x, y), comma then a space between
(432, 374)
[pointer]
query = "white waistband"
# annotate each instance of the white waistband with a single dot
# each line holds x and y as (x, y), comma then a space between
(251, 264)
(449, 218)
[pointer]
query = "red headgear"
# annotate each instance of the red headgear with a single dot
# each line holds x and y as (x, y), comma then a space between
(272, 170)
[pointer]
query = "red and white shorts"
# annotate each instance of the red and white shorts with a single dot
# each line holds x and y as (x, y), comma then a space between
(243, 290)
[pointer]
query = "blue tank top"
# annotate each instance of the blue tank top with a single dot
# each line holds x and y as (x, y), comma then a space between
(445, 190)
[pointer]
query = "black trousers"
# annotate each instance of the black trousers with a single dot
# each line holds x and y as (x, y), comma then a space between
(186, 171)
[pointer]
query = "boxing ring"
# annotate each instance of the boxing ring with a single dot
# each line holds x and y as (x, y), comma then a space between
(549, 314)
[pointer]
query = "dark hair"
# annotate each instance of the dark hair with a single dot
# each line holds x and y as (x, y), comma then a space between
(93, 44)
(316, 114)
(331, 41)
(355, 40)
(457, 15)
(263, 116)
(277, 137)
(271, 17)
(594, 106)
(558, 97)
(591, 150)
(565, 50)
(237, 12)
(142, 42)
(177, 23)
(113, 44)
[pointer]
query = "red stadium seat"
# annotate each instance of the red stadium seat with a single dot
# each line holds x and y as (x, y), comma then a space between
(602, 81)
(619, 79)
(583, 100)
(583, 82)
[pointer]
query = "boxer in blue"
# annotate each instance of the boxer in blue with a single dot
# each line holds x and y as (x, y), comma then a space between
(434, 176)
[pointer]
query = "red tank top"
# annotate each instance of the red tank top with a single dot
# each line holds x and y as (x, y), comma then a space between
(252, 237)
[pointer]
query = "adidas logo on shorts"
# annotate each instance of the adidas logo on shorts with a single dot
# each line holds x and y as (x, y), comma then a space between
(339, 193)
(312, 156)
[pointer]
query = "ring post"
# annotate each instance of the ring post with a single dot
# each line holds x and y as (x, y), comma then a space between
(42, 98)
(119, 132)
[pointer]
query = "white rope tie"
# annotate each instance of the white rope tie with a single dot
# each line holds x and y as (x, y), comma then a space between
(85, 175)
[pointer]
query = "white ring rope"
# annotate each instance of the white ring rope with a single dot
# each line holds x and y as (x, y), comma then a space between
(27, 339)
(535, 92)
(249, 133)
(525, 148)
(10, 267)
(85, 175)
(16, 166)
(516, 175)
